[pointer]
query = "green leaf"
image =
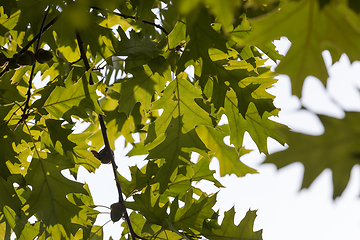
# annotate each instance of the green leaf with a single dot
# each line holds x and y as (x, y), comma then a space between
(73, 99)
(81, 154)
(194, 212)
(140, 178)
(145, 7)
(7, 138)
(137, 221)
(178, 100)
(228, 156)
(175, 149)
(9, 197)
(60, 134)
(202, 172)
(146, 80)
(177, 35)
(236, 75)
(202, 38)
(242, 31)
(337, 149)
(95, 37)
(259, 127)
(223, 10)
(9, 92)
(228, 230)
(315, 30)
(49, 191)
(135, 46)
(148, 205)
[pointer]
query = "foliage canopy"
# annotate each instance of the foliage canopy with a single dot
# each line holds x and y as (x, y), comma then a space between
(122, 66)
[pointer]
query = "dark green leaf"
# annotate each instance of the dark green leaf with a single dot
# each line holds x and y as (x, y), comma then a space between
(50, 186)
(337, 149)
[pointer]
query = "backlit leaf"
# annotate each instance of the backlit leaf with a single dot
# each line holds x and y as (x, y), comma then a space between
(146, 80)
(315, 30)
(175, 149)
(50, 186)
(228, 156)
(259, 127)
(228, 230)
(74, 99)
(337, 149)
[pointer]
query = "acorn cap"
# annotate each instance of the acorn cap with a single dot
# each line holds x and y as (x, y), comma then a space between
(43, 56)
(3, 59)
(26, 59)
(13, 61)
(104, 155)
(117, 211)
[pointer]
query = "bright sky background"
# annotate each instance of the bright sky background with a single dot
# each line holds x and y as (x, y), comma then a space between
(284, 212)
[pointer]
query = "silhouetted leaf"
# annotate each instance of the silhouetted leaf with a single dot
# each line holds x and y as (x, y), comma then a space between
(337, 149)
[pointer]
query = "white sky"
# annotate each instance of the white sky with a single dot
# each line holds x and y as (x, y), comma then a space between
(284, 212)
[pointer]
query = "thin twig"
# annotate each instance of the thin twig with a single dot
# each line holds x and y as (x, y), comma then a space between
(32, 41)
(135, 18)
(40, 34)
(106, 140)
(114, 167)
(25, 114)
(83, 54)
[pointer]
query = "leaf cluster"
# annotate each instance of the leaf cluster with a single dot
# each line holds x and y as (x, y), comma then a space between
(162, 74)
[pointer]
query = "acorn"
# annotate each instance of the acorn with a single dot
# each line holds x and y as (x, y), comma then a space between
(43, 56)
(26, 59)
(104, 155)
(3, 59)
(13, 61)
(117, 211)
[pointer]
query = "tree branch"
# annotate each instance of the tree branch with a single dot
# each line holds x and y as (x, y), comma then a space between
(32, 41)
(135, 18)
(25, 114)
(106, 140)
(40, 34)
(83, 54)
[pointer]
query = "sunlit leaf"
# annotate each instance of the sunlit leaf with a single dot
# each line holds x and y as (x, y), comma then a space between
(259, 127)
(175, 149)
(148, 205)
(73, 99)
(146, 80)
(228, 156)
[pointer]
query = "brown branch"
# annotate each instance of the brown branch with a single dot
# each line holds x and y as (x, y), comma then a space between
(135, 18)
(106, 140)
(38, 36)
(25, 114)
(83, 54)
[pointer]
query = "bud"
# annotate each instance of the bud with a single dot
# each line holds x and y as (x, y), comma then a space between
(117, 211)
(104, 155)
(13, 61)
(43, 55)
(26, 59)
